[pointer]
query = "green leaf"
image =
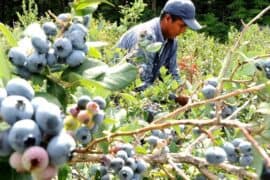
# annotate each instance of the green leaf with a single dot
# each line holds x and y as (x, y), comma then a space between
(154, 47)
(140, 150)
(129, 98)
(49, 98)
(93, 52)
(82, 4)
(8, 35)
(63, 172)
(5, 72)
(120, 76)
(58, 91)
(247, 70)
(96, 73)
(264, 108)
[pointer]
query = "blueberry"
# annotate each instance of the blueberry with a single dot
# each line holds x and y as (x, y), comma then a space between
(245, 148)
(237, 141)
(215, 155)
(99, 117)
(77, 39)
(141, 166)
(15, 161)
(76, 58)
(60, 148)
(41, 45)
(101, 102)
(107, 177)
(51, 57)
(212, 81)
(246, 160)
(79, 27)
(129, 149)
(83, 135)
(126, 173)
(35, 158)
(38, 102)
(23, 72)
(23, 134)
(5, 148)
(227, 111)
(21, 87)
(36, 62)
(48, 118)
(209, 91)
(152, 140)
(15, 108)
(62, 47)
(82, 101)
(17, 56)
(49, 28)
(229, 148)
(117, 164)
(3, 95)
(233, 157)
(122, 154)
(130, 162)
(66, 17)
(86, 20)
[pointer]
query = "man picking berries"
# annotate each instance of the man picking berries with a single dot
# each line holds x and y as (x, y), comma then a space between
(175, 17)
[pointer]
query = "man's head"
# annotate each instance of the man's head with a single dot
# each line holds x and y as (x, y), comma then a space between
(176, 16)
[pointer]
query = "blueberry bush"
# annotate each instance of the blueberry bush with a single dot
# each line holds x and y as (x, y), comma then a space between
(69, 110)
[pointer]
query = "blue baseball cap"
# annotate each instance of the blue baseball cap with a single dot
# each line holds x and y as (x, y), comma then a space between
(184, 9)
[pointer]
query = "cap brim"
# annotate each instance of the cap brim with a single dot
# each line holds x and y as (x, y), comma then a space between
(193, 24)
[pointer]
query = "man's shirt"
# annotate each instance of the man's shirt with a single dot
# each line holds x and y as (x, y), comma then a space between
(152, 62)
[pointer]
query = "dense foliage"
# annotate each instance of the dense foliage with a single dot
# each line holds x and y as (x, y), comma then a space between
(221, 133)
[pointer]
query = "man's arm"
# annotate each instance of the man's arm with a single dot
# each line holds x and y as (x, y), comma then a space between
(172, 66)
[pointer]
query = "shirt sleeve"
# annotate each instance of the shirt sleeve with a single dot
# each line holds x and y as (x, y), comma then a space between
(135, 40)
(172, 65)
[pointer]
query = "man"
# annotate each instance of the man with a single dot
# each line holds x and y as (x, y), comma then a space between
(175, 16)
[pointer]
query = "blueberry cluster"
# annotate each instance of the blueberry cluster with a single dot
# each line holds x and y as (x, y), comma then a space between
(85, 118)
(35, 141)
(123, 164)
(160, 139)
(239, 151)
(50, 44)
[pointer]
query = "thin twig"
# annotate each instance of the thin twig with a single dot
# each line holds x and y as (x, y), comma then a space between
(178, 170)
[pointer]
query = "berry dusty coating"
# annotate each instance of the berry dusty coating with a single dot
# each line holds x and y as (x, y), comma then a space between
(20, 107)
(76, 58)
(20, 87)
(82, 101)
(41, 45)
(36, 62)
(49, 28)
(23, 134)
(126, 173)
(245, 148)
(5, 148)
(245, 160)
(215, 155)
(209, 91)
(17, 56)
(35, 158)
(62, 47)
(60, 149)
(101, 102)
(3, 95)
(48, 118)
(83, 135)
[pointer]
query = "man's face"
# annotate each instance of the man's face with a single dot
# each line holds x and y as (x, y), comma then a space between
(174, 28)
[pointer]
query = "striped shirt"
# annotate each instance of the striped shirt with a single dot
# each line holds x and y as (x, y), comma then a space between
(150, 32)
